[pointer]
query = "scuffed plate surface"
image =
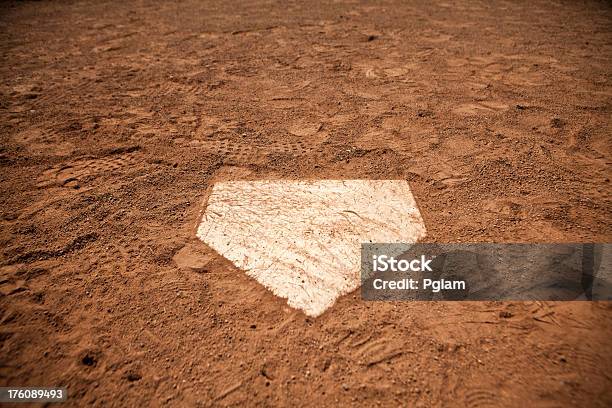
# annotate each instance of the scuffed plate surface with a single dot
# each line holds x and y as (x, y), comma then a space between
(301, 239)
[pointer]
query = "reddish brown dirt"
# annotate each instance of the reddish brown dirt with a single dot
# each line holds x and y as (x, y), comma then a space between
(116, 117)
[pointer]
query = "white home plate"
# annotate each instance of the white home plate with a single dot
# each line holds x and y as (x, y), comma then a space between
(302, 239)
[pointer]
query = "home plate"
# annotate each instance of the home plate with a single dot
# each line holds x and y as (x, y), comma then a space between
(302, 239)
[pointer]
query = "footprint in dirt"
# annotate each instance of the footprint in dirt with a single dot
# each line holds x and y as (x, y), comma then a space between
(481, 398)
(42, 142)
(587, 362)
(69, 175)
(243, 153)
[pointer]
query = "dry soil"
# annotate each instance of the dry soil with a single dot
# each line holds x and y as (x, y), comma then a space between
(116, 117)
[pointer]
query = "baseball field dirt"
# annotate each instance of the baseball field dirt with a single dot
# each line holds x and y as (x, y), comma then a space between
(117, 117)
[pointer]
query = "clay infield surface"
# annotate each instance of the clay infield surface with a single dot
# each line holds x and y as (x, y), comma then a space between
(116, 119)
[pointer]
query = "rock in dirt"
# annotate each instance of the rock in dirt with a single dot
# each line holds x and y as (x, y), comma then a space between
(192, 258)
